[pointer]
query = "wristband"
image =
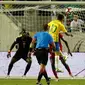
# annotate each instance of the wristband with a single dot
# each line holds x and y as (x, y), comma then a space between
(9, 51)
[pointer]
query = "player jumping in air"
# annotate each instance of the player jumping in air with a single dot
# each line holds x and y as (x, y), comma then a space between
(55, 27)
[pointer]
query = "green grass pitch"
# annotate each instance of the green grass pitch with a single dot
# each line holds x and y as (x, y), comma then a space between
(33, 82)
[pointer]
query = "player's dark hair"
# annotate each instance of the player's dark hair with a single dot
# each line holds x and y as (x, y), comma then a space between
(45, 27)
(60, 17)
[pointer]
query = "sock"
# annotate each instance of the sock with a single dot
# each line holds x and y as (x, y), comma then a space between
(55, 73)
(40, 75)
(53, 66)
(9, 69)
(27, 68)
(45, 75)
(66, 66)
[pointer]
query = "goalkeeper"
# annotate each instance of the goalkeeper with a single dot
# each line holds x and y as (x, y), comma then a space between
(22, 43)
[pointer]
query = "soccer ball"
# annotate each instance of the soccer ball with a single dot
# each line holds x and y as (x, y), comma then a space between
(68, 10)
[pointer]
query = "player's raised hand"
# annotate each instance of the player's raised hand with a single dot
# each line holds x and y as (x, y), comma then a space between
(9, 54)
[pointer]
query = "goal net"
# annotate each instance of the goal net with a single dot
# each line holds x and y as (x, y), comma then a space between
(31, 16)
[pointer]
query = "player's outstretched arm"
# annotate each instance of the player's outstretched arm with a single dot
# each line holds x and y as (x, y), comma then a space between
(68, 34)
(12, 46)
(66, 43)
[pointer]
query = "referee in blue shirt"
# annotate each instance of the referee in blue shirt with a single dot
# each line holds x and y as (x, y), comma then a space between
(43, 39)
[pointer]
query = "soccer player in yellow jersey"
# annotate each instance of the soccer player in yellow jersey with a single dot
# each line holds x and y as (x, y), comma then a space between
(55, 27)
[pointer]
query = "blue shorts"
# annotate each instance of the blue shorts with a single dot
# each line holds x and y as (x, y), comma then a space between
(57, 46)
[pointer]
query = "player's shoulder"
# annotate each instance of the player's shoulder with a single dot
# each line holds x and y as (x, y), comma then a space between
(50, 23)
(18, 37)
(79, 20)
(29, 37)
(59, 22)
(61, 25)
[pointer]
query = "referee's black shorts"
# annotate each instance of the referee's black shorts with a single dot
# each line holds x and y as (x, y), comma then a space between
(42, 55)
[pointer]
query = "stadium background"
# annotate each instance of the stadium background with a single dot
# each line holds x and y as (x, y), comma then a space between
(13, 18)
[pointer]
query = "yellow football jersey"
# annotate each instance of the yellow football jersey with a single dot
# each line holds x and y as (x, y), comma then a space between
(55, 27)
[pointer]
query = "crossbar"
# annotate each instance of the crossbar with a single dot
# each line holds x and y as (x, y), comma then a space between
(42, 2)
